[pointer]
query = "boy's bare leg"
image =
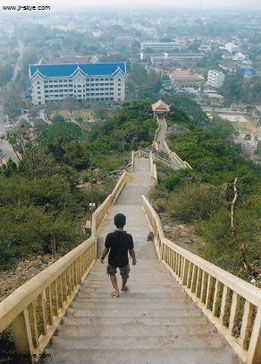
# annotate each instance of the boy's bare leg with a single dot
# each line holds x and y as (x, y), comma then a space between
(124, 281)
(115, 286)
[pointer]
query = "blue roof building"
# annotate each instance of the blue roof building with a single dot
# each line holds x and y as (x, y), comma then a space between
(246, 72)
(66, 70)
(92, 82)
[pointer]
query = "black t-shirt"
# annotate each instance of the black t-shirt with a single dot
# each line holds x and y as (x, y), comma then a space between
(119, 242)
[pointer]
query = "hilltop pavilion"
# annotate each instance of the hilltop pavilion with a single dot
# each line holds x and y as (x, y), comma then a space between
(160, 107)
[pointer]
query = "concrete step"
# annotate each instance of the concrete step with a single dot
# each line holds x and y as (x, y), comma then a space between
(133, 305)
(133, 289)
(127, 321)
(125, 298)
(140, 342)
(134, 274)
(144, 356)
(134, 295)
(122, 312)
(156, 272)
(145, 262)
(151, 265)
(133, 330)
(136, 277)
(104, 284)
(132, 281)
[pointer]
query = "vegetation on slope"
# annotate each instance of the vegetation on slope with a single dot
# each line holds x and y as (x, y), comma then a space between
(202, 196)
(41, 208)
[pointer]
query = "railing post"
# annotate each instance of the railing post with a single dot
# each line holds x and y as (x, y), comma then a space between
(42, 314)
(22, 334)
(234, 312)
(216, 298)
(254, 351)
(246, 322)
(185, 272)
(224, 305)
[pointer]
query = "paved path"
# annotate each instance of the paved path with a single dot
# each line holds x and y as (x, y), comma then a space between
(162, 133)
(154, 322)
(129, 203)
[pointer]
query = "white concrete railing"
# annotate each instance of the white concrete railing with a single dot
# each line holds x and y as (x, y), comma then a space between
(174, 157)
(132, 162)
(35, 309)
(153, 168)
(177, 159)
(155, 143)
(231, 304)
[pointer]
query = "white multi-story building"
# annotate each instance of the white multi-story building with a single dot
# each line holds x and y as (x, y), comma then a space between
(215, 78)
(231, 47)
(90, 82)
(162, 46)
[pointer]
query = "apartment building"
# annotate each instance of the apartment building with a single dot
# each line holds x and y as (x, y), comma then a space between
(161, 46)
(90, 82)
(215, 78)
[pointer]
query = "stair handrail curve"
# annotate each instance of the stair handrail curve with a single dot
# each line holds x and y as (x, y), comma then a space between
(35, 309)
(177, 160)
(230, 303)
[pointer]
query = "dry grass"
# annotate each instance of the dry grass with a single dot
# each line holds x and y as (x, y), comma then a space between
(82, 113)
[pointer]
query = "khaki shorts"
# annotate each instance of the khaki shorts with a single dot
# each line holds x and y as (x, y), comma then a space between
(124, 271)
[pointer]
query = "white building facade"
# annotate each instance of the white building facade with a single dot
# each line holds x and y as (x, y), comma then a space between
(231, 47)
(88, 82)
(215, 78)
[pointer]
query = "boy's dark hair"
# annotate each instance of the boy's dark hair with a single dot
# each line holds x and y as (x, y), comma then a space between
(119, 220)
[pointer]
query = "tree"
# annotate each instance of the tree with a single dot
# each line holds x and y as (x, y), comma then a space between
(20, 138)
(40, 126)
(2, 156)
(13, 103)
(66, 131)
(232, 88)
(6, 73)
(56, 148)
(58, 118)
(100, 110)
(8, 168)
(76, 156)
(50, 107)
(71, 103)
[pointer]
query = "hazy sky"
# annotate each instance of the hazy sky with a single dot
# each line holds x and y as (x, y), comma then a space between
(235, 4)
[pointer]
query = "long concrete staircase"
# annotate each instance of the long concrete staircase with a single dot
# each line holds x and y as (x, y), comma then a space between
(154, 322)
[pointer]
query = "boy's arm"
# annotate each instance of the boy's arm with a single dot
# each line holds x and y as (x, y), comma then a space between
(104, 253)
(132, 254)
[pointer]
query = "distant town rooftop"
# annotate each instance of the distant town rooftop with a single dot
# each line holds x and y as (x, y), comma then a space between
(71, 59)
(184, 73)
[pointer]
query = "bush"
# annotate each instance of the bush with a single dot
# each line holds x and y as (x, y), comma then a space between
(58, 118)
(219, 246)
(194, 202)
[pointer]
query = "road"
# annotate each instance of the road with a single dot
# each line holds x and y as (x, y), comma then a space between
(4, 125)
